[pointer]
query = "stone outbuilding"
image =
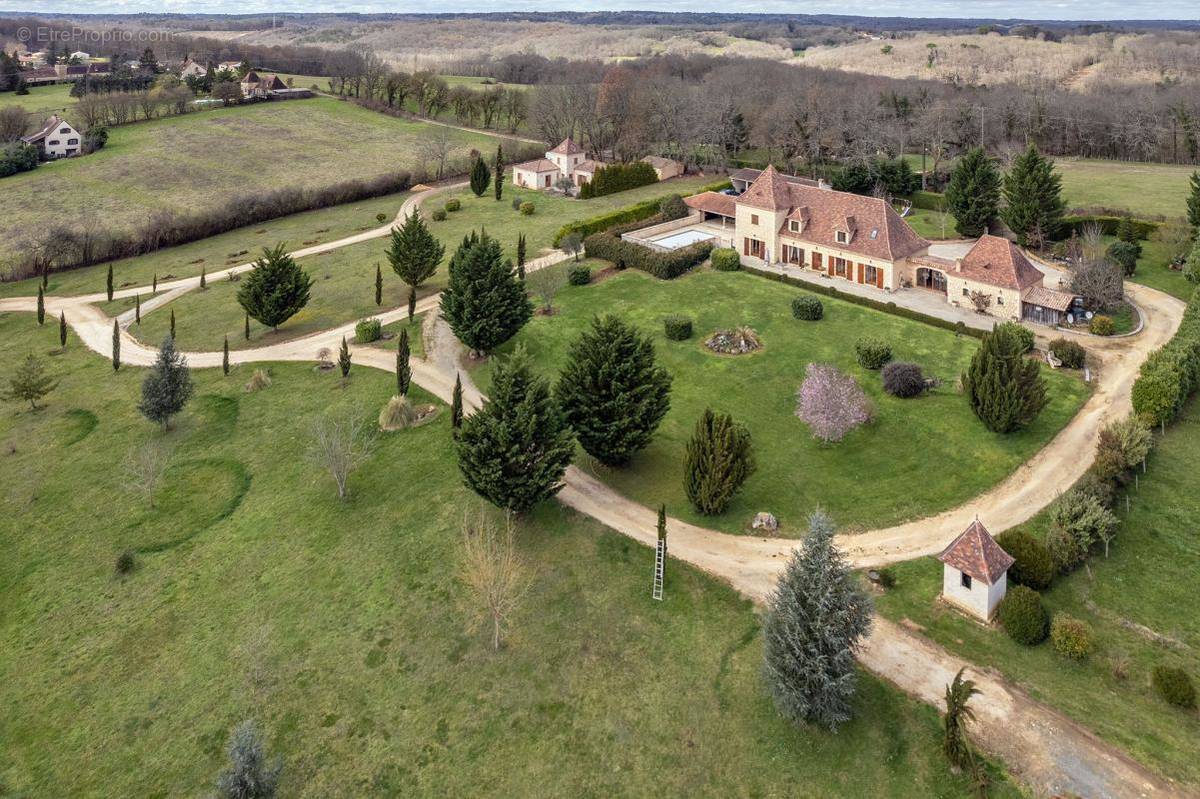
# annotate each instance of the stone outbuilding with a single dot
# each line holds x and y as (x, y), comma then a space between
(975, 572)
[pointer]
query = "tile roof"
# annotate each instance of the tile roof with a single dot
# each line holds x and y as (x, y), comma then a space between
(751, 175)
(999, 262)
(1048, 298)
(567, 147)
(538, 165)
(713, 202)
(976, 553)
(588, 166)
(768, 192)
(659, 162)
(52, 122)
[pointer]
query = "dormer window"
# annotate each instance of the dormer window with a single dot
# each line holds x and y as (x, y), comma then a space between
(843, 237)
(794, 225)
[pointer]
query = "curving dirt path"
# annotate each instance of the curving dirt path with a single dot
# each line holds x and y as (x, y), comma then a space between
(1046, 750)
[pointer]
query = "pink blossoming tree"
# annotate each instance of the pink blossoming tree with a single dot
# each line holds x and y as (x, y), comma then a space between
(831, 403)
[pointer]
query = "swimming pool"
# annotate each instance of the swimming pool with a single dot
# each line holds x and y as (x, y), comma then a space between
(683, 238)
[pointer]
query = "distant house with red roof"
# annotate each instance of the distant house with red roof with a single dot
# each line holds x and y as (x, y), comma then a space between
(255, 85)
(975, 572)
(801, 223)
(567, 160)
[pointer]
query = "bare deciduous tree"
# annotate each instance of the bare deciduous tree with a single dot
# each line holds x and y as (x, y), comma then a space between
(145, 466)
(545, 283)
(493, 573)
(340, 444)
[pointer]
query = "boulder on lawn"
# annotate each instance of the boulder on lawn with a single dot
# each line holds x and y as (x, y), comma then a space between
(766, 522)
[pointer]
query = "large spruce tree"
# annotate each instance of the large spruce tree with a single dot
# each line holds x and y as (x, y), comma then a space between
(1034, 205)
(414, 254)
(973, 194)
(1005, 389)
(168, 386)
(484, 303)
(613, 393)
(275, 289)
(481, 176)
(515, 449)
(718, 460)
(815, 621)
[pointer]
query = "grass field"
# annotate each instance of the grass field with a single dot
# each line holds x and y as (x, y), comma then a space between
(345, 287)
(337, 626)
(41, 101)
(1146, 580)
(932, 225)
(878, 475)
(197, 161)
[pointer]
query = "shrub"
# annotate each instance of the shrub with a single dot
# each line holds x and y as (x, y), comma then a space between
(1005, 390)
(367, 330)
(673, 207)
(1071, 353)
(903, 380)
(808, 308)
(516, 203)
(1032, 564)
(579, 275)
(887, 577)
(438, 215)
(381, 217)
(1078, 521)
(16, 158)
(1070, 637)
(258, 381)
(398, 414)
(666, 265)
(1021, 333)
(726, 259)
(718, 460)
(872, 353)
(1125, 255)
(677, 327)
(618, 177)
(126, 562)
(1174, 685)
(1022, 615)
(453, 205)
(1101, 325)
(527, 209)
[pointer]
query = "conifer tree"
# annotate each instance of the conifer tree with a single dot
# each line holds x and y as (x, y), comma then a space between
(484, 303)
(108, 283)
(203, 278)
(1193, 203)
(718, 460)
(521, 256)
(344, 359)
(1005, 389)
(481, 176)
(414, 254)
(116, 347)
(662, 523)
(456, 404)
(41, 307)
(167, 387)
(30, 382)
(172, 323)
(137, 308)
(403, 369)
(816, 619)
(154, 284)
(246, 330)
(498, 169)
(612, 392)
(225, 357)
(973, 194)
(62, 329)
(1033, 199)
(515, 449)
(378, 285)
(275, 289)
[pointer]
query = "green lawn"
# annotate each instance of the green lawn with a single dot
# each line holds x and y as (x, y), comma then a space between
(345, 278)
(878, 475)
(932, 225)
(41, 101)
(1146, 580)
(337, 625)
(198, 161)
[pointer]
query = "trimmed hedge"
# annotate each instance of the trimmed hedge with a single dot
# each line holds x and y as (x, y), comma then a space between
(1032, 564)
(1076, 223)
(867, 302)
(1071, 353)
(928, 200)
(665, 265)
(677, 327)
(1022, 615)
(366, 330)
(1172, 372)
(1174, 685)
(638, 212)
(872, 353)
(579, 275)
(618, 177)
(453, 205)
(726, 259)
(807, 308)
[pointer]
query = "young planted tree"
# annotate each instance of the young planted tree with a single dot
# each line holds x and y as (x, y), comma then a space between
(154, 284)
(545, 284)
(484, 303)
(456, 404)
(958, 713)
(572, 244)
(116, 347)
(414, 254)
(145, 466)
(1004, 388)
(403, 368)
(41, 306)
(344, 360)
(816, 618)
(340, 444)
(718, 460)
(108, 283)
(30, 382)
(275, 289)
(515, 449)
(498, 173)
(137, 308)
(246, 328)
(521, 256)
(378, 285)
(62, 329)
(481, 176)
(973, 194)
(831, 403)
(1033, 199)
(167, 387)
(494, 575)
(249, 775)
(203, 279)
(225, 357)
(612, 391)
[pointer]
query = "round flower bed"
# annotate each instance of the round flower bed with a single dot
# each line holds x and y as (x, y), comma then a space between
(739, 341)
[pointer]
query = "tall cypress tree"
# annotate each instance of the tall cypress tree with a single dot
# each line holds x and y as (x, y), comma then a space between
(344, 359)
(484, 303)
(172, 323)
(1193, 202)
(1005, 389)
(521, 256)
(403, 369)
(378, 285)
(498, 169)
(62, 329)
(116, 347)
(456, 404)
(718, 460)
(613, 393)
(481, 176)
(41, 307)
(154, 284)
(973, 194)
(246, 330)
(816, 619)
(203, 278)
(167, 387)
(108, 283)
(275, 289)
(1033, 199)
(414, 254)
(515, 449)
(225, 357)
(137, 308)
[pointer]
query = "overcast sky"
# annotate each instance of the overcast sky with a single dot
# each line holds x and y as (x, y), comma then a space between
(1026, 9)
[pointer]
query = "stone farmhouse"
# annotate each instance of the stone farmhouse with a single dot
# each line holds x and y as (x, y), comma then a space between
(190, 68)
(55, 139)
(567, 160)
(255, 85)
(805, 224)
(975, 572)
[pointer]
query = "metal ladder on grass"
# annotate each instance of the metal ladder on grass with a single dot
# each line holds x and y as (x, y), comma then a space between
(660, 556)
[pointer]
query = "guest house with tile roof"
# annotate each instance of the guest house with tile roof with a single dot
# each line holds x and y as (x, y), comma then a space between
(803, 224)
(975, 572)
(567, 160)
